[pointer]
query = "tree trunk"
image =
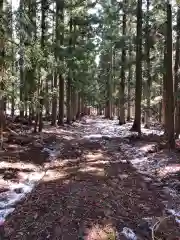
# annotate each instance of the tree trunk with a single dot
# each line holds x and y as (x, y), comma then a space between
(54, 100)
(69, 80)
(44, 8)
(2, 71)
(169, 97)
(148, 69)
(61, 100)
(12, 66)
(164, 120)
(122, 84)
(21, 60)
(47, 105)
(69, 113)
(177, 77)
(138, 91)
(61, 78)
(108, 110)
(129, 94)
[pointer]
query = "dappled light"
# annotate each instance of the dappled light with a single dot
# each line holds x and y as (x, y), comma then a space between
(98, 232)
(168, 170)
(89, 120)
(101, 188)
(18, 165)
(52, 175)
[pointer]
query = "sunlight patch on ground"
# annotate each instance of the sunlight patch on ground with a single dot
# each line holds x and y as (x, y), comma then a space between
(100, 233)
(52, 175)
(93, 136)
(93, 170)
(147, 147)
(151, 131)
(94, 156)
(98, 162)
(18, 165)
(169, 169)
(68, 138)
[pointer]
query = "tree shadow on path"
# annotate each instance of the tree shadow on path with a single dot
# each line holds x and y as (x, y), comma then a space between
(91, 196)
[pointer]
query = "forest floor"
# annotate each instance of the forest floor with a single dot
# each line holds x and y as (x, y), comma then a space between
(93, 180)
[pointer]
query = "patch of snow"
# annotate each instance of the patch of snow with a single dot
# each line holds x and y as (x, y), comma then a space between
(9, 198)
(25, 187)
(92, 136)
(146, 131)
(176, 214)
(18, 191)
(129, 234)
(139, 160)
(4, 213)
(52, 151)
(123, 176)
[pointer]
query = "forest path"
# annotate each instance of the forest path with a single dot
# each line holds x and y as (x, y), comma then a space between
(91, 190)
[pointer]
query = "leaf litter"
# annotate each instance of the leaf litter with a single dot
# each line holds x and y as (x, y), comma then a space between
(99, 174)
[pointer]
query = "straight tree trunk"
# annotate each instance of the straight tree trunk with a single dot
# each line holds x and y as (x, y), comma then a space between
(44, 8)
(169, 97)
(54, 100)
(2, 71)
(164, 120)
(129, 92)
(47, 105)
(12, 65)
(21, 60)
(108, 109)
(61, 78)
(148, 69)
(78, 115)
(61, 100)
(69, 113)
(138, 91)
(58, 39)
(122, 84)
(177, 77)
(69, 80)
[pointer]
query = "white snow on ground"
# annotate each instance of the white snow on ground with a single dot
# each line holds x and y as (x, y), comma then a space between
(18, 191)
(110, 128)
(129, 234)
(175, 214)
(135, 154)
(95, 129)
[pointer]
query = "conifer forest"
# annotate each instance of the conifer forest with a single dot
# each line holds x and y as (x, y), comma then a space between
(89, 119)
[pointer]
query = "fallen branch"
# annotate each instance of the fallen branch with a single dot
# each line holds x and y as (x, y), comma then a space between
(157, 225)
(12, 131)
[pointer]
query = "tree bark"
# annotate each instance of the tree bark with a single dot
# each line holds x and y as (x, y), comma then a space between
(122, 84)
(69, 80)
(169, 97)
(21, 60)
(138, 91)
(148, 69)
(177, 77)
(61, 78)
(2, 71)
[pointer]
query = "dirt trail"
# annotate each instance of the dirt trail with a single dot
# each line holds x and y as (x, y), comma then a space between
(91, 191)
